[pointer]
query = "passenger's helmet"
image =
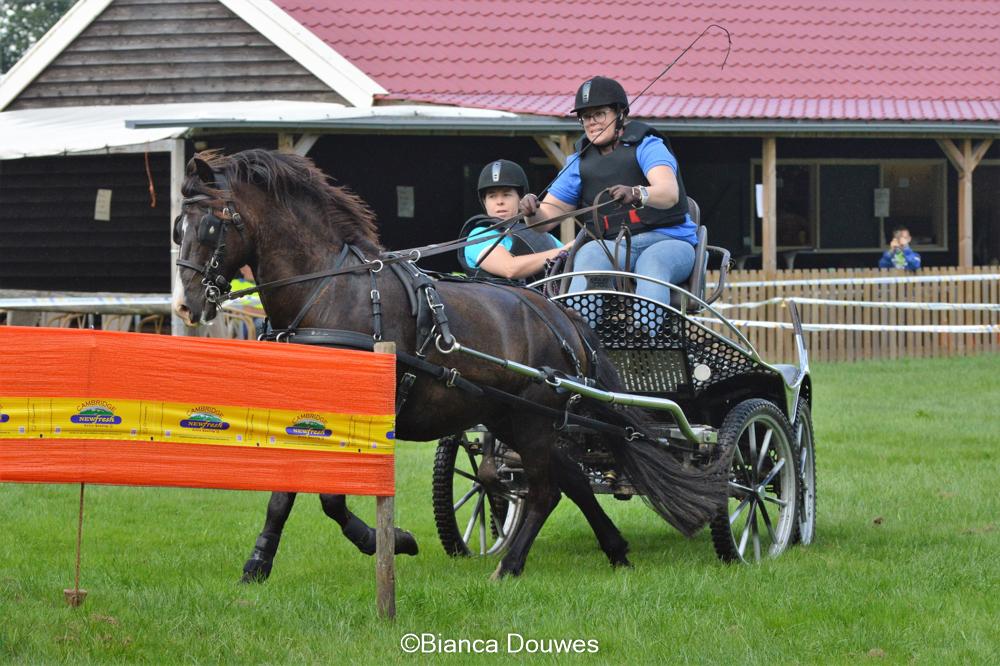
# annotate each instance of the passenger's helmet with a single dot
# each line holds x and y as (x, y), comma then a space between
(601, 91)
(503, 173)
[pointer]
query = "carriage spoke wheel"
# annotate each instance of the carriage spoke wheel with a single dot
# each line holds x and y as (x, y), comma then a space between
(472, 520)
(805, 454)
(763, 484)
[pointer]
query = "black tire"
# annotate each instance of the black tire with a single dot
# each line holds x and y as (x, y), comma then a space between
(468, 503)
(805, 455)
(763, 479)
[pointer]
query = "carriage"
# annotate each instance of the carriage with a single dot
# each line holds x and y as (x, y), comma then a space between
(709, 389)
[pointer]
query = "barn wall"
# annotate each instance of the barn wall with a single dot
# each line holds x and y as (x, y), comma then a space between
(167, 51)
(49, 239)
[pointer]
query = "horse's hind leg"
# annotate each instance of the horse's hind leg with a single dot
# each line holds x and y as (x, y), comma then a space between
(574, 484)
(258, 567)
(358, 532)
(535, 448)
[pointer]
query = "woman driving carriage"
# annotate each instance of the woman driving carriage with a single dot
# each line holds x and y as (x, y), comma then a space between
(634, 162)
(522, 254)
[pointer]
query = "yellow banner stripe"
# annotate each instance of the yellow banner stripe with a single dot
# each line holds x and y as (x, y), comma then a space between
(187, 423)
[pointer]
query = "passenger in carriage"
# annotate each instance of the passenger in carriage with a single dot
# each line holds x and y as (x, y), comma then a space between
(636, 163)
(522, 254)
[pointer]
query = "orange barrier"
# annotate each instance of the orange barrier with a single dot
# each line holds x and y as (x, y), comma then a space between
(82, 406)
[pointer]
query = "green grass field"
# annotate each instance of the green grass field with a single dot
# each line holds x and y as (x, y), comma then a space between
(904, 568)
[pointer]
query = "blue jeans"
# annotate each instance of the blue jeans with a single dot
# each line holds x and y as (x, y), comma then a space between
(654, 254)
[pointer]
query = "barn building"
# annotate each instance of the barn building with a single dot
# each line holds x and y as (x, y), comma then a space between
(824, 125)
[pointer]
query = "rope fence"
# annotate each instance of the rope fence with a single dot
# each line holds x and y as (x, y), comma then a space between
(850, 315)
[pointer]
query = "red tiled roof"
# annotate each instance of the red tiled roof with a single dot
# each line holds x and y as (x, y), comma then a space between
(923, 60)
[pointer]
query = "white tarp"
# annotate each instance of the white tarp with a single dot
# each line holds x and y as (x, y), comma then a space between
(85, 129)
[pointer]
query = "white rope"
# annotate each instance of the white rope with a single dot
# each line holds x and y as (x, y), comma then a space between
(976, 277)
(889, 305)
(915, 328)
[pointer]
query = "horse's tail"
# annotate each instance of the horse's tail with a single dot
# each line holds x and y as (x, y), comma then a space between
(686, 496)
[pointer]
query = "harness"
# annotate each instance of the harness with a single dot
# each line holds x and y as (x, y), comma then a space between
(426, 306)
(212, 232)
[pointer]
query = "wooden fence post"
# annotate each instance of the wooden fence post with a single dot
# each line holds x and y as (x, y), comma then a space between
(385, 538)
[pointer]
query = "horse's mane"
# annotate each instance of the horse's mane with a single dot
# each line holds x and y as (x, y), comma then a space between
(290, 177)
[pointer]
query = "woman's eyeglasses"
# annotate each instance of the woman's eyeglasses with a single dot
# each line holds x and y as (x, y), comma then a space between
(599, 117)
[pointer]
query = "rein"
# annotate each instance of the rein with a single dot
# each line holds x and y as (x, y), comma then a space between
(412, 254)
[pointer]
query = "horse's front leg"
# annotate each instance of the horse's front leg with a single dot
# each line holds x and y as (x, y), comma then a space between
(258, 567)
(358, 532)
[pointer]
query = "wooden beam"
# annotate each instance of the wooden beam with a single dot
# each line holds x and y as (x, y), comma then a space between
(769, 224)
(305, 144)
(286, 142)
(558, 149)
(979, 151)
(177, 165)
(965, 162)
(552, 150)
(953, 153)
(965, 207)
(385, 537)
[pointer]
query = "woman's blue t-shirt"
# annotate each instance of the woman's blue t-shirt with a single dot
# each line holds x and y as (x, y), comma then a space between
(651, 152)
(473, 253)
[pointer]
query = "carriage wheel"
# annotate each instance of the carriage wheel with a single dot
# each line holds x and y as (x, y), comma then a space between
(470, 520)
(805, 452)
(763, 484)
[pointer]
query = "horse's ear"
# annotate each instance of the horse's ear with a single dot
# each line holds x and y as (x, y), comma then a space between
(199, 167)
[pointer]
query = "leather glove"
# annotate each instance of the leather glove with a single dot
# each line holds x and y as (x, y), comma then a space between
(626, 194)
(528, 205)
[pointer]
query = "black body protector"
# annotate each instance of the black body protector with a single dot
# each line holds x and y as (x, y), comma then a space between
(525, 241)
(620, 167)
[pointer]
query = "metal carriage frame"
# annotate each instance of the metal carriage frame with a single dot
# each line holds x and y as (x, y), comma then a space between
(707, 387)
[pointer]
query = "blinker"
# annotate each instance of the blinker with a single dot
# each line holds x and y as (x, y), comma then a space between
(208, 229)
(178, 228)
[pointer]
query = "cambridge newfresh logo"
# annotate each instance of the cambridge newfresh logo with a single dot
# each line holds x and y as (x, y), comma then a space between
(309, 425)
(204, 418)
(96, 412)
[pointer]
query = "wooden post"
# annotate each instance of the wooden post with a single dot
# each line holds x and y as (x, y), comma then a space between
(385, 537)
(177, 165)
(75, 596)
(965, 162)
(286, 142)
(965, 207)
(769, 223)
(558, 149)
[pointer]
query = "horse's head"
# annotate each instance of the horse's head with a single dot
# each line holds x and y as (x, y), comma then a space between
(212, 239)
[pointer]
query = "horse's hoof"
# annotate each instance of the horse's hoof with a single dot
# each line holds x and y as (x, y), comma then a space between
(255, 571)
(501, 572)
(621, 563)
(405, 543)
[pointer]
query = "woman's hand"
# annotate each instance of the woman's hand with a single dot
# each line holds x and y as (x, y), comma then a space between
(528, 205)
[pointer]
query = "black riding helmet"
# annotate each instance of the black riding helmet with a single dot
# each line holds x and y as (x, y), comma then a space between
(502, 173)
(601, 91)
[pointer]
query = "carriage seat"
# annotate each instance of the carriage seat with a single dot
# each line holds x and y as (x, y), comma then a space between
(695, 283)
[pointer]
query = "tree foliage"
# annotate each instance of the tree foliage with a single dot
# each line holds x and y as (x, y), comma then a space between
(23, 22)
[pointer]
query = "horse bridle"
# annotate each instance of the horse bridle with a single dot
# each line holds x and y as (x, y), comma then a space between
(211, 230)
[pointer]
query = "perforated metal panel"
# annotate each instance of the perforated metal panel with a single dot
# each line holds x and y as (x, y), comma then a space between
(656, 350)
(650, 370)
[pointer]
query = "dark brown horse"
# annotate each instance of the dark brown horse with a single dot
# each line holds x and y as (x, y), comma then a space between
(277, 213)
